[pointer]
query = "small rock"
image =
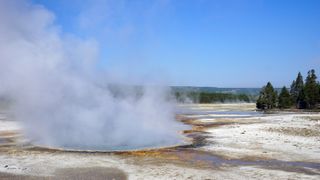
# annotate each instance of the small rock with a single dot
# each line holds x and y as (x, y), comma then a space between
(6, 166)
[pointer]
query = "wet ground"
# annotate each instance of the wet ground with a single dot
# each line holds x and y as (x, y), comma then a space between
(228, 141)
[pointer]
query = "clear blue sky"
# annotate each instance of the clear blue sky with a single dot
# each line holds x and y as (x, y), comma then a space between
(222, 43)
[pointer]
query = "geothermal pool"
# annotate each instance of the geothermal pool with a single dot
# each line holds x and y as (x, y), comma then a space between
(102, 148)
(190, 111)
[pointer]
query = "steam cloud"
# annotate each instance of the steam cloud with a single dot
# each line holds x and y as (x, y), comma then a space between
(60, 97)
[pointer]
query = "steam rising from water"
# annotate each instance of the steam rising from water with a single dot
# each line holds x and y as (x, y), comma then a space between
(61, 99)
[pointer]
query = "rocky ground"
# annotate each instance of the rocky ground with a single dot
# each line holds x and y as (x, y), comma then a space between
(230, 141)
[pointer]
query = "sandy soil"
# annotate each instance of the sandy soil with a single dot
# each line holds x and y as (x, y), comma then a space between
(241, 144)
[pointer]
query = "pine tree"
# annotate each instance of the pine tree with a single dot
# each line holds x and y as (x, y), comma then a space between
(302, 104)
(285, 100)
(293, 90)
(261, 102)
(319, 92)
(297, 92)
(311, 90)
(267, 98)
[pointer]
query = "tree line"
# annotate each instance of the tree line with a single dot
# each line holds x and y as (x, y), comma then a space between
(301, 94)
(211, 97)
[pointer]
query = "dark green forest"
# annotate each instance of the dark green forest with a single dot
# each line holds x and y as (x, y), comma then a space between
(302, 94)
(212, 97)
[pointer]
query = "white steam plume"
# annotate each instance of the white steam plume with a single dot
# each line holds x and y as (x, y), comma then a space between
(57, 96)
